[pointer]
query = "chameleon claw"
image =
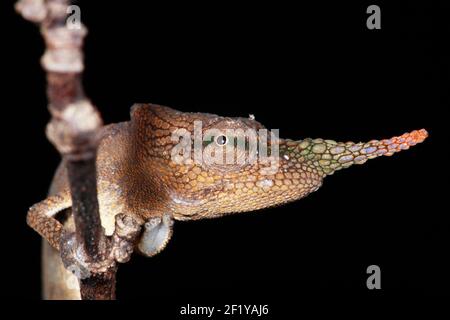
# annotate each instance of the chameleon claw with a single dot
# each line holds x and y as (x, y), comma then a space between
(127, 227)
(72, 255)
(152, 223)
(125, 236)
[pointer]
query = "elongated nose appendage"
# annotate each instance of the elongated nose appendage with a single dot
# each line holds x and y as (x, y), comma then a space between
(330, 156)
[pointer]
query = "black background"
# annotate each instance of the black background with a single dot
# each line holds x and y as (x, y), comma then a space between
(309, 70)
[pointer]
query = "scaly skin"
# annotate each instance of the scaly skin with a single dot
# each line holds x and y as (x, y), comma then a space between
(137, 176)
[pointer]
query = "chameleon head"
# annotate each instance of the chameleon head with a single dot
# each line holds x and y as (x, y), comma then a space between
(208, 166)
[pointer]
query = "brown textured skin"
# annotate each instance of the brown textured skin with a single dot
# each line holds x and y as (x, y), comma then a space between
(196, 191)
(136, 175)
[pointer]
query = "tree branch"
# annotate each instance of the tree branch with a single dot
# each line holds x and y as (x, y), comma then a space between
(73, 130)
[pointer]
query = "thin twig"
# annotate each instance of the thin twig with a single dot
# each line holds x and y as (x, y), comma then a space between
(73, 130)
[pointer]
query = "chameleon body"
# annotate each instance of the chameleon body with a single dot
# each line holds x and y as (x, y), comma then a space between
(136, 176)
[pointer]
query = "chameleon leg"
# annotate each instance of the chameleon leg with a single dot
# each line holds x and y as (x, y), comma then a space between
(156, 235)
(40, 217)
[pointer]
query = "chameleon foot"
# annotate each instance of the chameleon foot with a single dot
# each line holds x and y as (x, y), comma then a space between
(125, 236)
(119, 248)
(156, 235)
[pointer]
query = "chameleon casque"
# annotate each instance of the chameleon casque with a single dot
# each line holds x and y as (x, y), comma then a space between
(136, 176)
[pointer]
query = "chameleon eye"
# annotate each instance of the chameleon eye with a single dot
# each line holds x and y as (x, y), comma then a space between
(221, 140)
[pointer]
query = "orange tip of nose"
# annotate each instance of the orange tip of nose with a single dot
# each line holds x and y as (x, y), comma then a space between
(403, 142)
(417, 136)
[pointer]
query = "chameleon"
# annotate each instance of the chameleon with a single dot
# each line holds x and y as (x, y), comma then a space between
(138, 177)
